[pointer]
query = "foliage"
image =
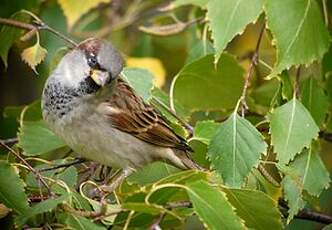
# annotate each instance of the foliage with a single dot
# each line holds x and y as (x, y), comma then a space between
(251, 78)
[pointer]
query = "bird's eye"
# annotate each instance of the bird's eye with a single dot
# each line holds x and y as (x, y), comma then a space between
(92, 62)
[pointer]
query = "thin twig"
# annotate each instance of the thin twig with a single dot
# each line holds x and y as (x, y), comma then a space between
(169, 29)
(304, 214)
(36, 25)
(60, 35)
(253, 64)
(37, 174)
(9, 141)
(18, 24)
(307, 214)
(90, 214)
(66, 165)
(179, 204)
(185, 124)
(37, 198)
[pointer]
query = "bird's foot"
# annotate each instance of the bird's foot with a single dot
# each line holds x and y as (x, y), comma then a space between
(117, 180)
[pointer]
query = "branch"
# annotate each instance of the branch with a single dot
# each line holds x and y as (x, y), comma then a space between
(36, 26)
(253, 64)
(179, 204)
(308, 214)
(37, 174)
(84, 213)
(169, 29)
(304, 214)
(9, 141)
(18, 24)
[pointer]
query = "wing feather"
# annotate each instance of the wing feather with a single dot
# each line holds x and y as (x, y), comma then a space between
(130, 114)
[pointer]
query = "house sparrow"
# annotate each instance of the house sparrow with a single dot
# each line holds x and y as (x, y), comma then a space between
(87, 104)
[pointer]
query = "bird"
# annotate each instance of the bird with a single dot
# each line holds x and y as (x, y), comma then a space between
(99, 115)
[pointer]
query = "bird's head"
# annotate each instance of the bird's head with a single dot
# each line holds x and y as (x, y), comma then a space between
(92, 65)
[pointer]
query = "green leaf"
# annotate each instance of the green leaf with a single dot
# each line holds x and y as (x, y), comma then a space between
(311, 172)
(142, 208)
(162, 196)
(161, 96)
(42, 207)
(212, 207)
(315, 100)
(69, 176)
(295, 42)
(35, 138)
(236, 149)
(202, 86)
(199, 50)
(287, 86)
(229, 18)
(32, 112)
(265, 94)
(182, 177)
(79, 223)
(12, 189)
(257, 209)
(9, 34)
(152, 173)
(10, 7)
(293, 195)
(205, 131)
(327, 227)
(200, 3)
(164, 98)
(139, 79)
(292, 128)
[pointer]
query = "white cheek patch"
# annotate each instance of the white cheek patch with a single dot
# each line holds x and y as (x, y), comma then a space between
(73, 69)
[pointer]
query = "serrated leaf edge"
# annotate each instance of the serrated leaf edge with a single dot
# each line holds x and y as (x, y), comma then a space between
(274, 42)
(218, 54)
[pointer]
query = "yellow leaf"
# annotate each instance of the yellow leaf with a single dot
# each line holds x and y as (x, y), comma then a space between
(75, 9)
(3, 211)
(154, 65)
(34, 55)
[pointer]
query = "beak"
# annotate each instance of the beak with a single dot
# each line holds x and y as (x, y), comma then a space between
(101, 78)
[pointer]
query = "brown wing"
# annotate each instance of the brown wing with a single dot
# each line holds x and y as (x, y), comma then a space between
(130, 114)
